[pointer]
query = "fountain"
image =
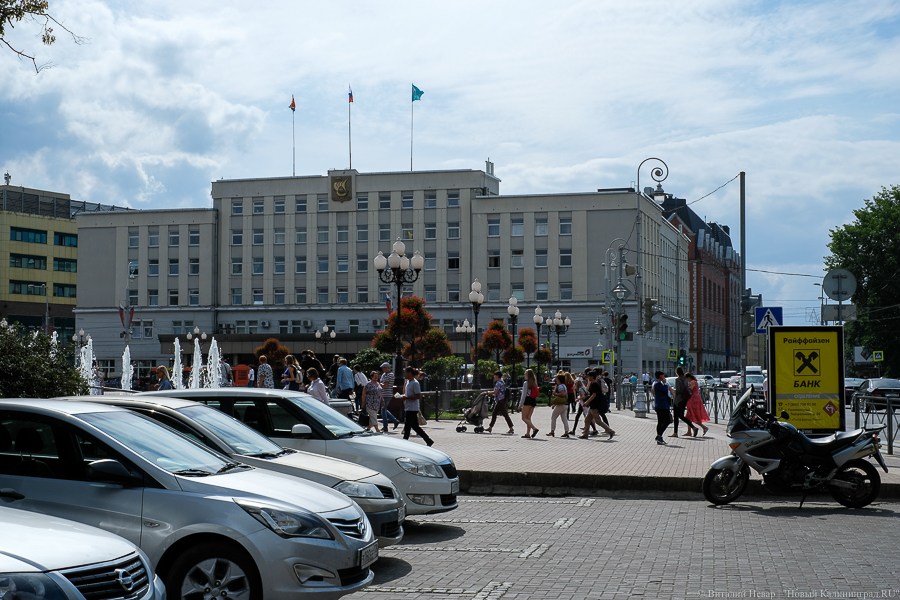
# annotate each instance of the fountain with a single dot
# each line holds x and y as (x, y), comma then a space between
(87, 361)
(177, 382)
(54, 341)
(197, 367)
(127, 369)
(213, 373)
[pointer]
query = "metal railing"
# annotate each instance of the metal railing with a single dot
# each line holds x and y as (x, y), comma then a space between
(874, 411)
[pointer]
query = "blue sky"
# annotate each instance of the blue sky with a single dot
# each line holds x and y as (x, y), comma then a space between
(568, 97)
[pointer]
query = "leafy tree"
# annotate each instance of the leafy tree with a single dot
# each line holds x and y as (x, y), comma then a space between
(496, 338)
(430, 346)
(33, 368)
(486, 368)
(273, 350)
(528, 340)
(370, 359)
(412, 324)
(869, 247)
(480, 352)
(513, 355)
(543, 356)
(444, 368)
(384, 342)
(14, 11)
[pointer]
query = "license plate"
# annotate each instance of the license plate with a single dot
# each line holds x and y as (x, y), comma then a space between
(454, 486)
(368, 555)
(401, 513)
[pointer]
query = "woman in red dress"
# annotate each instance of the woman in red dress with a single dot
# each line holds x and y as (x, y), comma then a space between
(695, 411)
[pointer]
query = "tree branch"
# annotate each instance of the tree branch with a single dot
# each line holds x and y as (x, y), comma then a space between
(37, 69)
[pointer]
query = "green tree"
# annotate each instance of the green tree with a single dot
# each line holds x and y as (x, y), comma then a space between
(433, 344)
(14, 11)
(412, 324)
(444, 368)
(370, 359)
(274, 352)
(496, 338)
(33, 368)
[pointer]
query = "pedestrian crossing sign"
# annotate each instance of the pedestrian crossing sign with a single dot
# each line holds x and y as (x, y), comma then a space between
(768, 316)
(878, 356)
(608, 356)
(673, 354)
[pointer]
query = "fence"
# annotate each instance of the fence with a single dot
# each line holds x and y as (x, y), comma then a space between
(876, 411)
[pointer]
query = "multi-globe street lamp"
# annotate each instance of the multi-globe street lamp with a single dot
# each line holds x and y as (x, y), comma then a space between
(395, 268)
(466, 330)
(477, 299)
(325, 337)
(557, 325)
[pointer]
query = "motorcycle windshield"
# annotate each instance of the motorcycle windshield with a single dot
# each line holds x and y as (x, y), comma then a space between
(738, 420)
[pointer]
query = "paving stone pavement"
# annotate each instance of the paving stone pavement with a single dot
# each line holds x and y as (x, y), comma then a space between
(623, 546)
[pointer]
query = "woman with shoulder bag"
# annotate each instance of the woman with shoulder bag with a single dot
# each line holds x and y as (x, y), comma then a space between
(372, 402)
(679, 403)
(695, 410)
(559, 401)
(530, 403)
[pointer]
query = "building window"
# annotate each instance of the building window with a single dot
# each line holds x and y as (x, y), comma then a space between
(34, 236)
(300, 295)
(406, 200)
(194, 266)
(153, 297)
(173, 298)
(516, 260)
(279, 236)
(493, 259)
(259, 206)
(452, 197)
(257, 296)
(430, 261)
(343, 295)
(133, 238)
(63, 290)
(322, 201)
(173, 237)
(565, 226)
(132, 268)
(540, 258)
(517, 228)
(362, 202)
(237, 267)
(518, 291)
(279, 295)
(565, 291)
(384, 293)
(384, 200)
(194, 237)
(28, 288)
(493, 294)
(153, 268)
(300, 204)
(284, 327)
(25, 261)
(239, 327)
(406, 292)
(153, 237)
(258, 265)
(279, 265)
(258, 237)
(66, 239)
(237, 297)
(565, 257)
(323, 295)
(279, 205)
(237, 237)
(362, 263)
(384, 233)
(540, 227)
(343, 263)
(322, 264)
(343, 233)
(237, 207)
(540, 291)
(493, 227)
(453, 292)
(430, 199)
(362, 294)
(430, 231)
(301, 265)
(354, 325)
(179, 327)
(453, 231)
(406, 232)
(322, 234)
(300, 236)
(173, 266)
(453, 261)
(362, 233)
(194, 297)
(430, 293)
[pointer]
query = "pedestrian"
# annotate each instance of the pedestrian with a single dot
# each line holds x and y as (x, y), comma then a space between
(387, 387)
(594, 399)
(265, 377)
(162, 374)
(97, 380)
(411, 406)
(679, 403)
(570, 391)
(251, 377)
(317, 387)
(361, 381)
(343, 384)
(606, 386)
(291, 377)
(371, 400)
(661, 405)
(500, 403)
(560, 403)
(696, 412)
(581, 395)
(331, 376)
(530, 403)
(224, 373)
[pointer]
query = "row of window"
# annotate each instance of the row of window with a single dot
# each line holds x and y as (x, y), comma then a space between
(38, 236)
(153, 267)
(34, 288)
(362, 202)
(153, 237)
(153, 297)
(27, 261)
(343, 234)
(517, 227)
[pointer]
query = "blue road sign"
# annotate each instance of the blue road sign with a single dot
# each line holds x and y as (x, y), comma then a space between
(767, 316)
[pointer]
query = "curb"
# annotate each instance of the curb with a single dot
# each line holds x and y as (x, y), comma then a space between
(491, 483)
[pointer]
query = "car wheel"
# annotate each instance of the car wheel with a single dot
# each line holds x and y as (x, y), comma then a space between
(213, 571)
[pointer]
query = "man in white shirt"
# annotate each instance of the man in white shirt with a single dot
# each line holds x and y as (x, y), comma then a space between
(251, 378)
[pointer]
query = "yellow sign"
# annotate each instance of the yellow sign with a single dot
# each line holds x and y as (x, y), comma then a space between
(608, 356)
(673, 354)
(878, 356)
(806, 376)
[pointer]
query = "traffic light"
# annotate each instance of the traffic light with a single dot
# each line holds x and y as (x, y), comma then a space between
(622, 326)
(650, 310)
(748, 301)
(681, 361)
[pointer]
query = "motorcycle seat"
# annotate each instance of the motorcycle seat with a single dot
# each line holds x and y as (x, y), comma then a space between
(829, 444)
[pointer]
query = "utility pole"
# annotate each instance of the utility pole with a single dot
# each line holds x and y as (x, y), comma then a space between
(743, 279)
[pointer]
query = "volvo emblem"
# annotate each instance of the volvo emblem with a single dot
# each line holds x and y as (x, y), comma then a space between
(125, 580)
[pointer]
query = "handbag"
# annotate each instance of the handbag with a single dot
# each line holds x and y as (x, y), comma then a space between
(422, 420)
(686, 392)
(363, 418)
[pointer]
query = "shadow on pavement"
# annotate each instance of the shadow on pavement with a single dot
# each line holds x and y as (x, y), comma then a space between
(388, 568)
(809, 509)
(423, 532)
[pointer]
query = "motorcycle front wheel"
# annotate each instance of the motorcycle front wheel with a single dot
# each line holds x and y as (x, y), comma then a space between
(867, 484)
(721, 486)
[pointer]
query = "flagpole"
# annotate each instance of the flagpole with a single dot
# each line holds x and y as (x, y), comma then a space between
(411, 111)
(349, 132)
(294, 140)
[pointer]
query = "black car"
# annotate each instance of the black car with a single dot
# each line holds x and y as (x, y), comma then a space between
(851, 384)
(873, 394)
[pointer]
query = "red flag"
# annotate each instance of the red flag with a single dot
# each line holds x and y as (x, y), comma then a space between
(351, 93)
(293, 105)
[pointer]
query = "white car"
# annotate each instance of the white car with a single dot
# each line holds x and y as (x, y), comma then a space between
(375, 494)
(209, 526)
(45, 558)
(426, 477)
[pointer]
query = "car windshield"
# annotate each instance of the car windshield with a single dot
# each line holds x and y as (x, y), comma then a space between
(331, 419)
(755, 378)
(242, 438)
(158, 444)
(885, 383)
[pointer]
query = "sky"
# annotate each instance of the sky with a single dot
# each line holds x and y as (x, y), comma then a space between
(165, 97)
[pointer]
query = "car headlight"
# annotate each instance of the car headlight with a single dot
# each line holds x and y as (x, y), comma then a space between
(355, 489)
(287, 524)
(422, 468)
(29, 586)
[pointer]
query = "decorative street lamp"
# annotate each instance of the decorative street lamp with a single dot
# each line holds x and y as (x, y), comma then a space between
(465, 330)
(476, 298)
(557, 325)
(513, 311)
(80, 339)
(399, 273)
(325, 337)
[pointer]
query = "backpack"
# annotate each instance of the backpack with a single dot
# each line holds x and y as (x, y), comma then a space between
(604, 387)
(687, 392)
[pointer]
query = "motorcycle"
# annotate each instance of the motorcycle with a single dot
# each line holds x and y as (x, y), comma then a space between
(790, 462)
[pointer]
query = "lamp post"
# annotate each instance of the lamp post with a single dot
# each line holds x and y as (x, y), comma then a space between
(399, 273)
(47, 306)
(538, 321)
(557, 325)
(325, 337)
(80, 340)
(476, 298)
(465, 330)
(513, 311)
(197, 333)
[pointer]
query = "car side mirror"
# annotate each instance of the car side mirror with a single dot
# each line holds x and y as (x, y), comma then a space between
(301, 431)
(110, 471)
(785, 415)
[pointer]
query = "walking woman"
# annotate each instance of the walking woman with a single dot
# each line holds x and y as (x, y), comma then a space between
(580, 397)
(317, 387)
(696, 412)
(530, 402)
(291, 377)
(372, 400)
(570, 393)
(559, 401)
(679, 404)
(500, 403)
(360, 381)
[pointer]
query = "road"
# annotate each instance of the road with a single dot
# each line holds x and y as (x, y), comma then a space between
(623, 546)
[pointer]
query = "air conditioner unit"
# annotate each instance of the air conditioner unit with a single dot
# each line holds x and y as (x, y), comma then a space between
(264, 324)
(307, 324)
(376, 322)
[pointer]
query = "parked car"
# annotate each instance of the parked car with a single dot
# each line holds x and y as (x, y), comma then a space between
(706, 380)
(375, 494)
(46, 558)
(734, 381)
(207, 524)
(426, 477)
(755, 381)
(850, 386)
(875, 392)
(725, 376)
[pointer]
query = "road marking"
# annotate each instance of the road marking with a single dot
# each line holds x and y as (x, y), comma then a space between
(535, 551)
(563, 523)
(492, 591)
(509, 522)
(581, 502)
(532, 551)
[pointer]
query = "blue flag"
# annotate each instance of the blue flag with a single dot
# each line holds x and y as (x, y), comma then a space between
(416, 93)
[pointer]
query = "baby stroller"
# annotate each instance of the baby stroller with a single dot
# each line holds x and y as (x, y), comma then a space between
(476, 414)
